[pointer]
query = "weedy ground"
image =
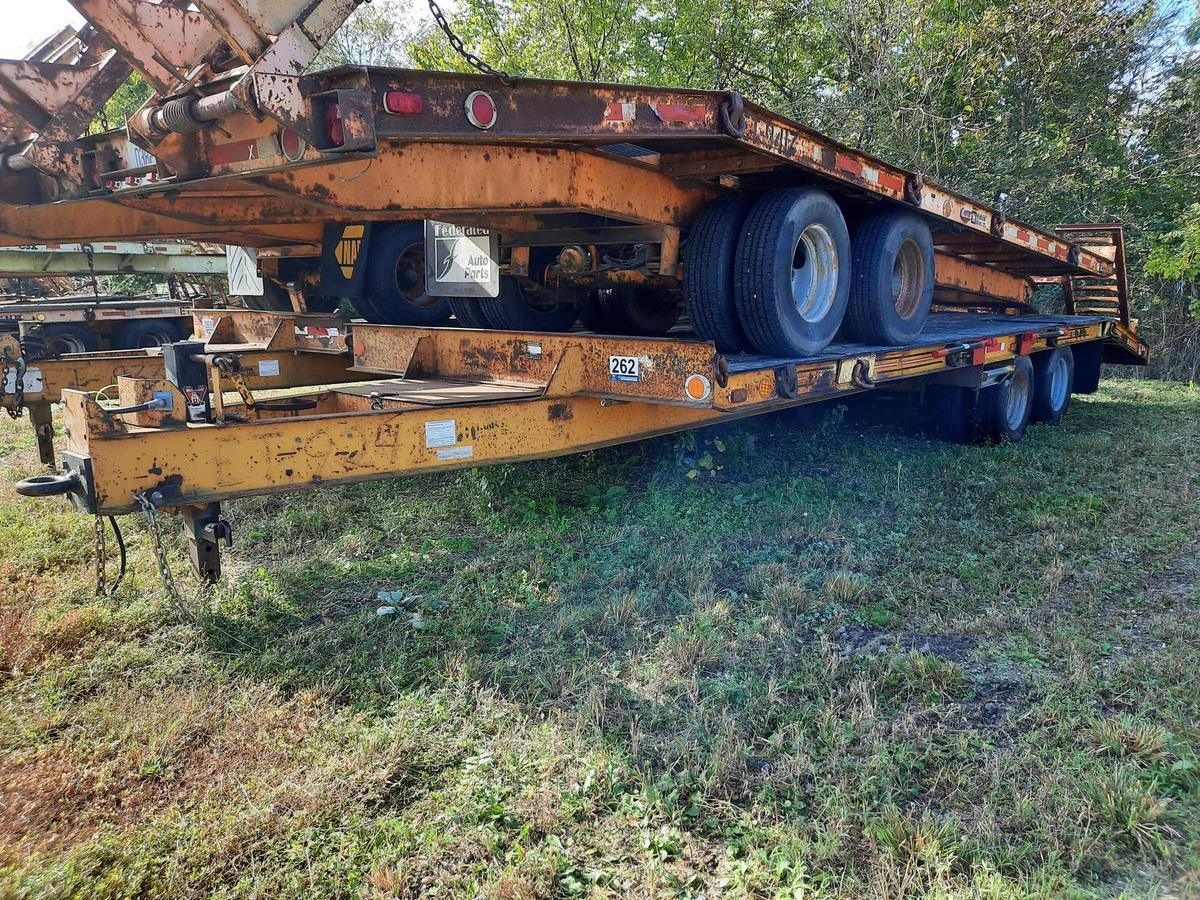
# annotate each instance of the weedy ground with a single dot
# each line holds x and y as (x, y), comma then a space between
(813, 654)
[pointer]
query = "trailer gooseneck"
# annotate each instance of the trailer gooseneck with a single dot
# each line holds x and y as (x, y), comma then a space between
(640, 261)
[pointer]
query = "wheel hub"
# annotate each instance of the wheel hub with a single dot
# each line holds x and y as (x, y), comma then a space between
(908, 279)
(814, 273)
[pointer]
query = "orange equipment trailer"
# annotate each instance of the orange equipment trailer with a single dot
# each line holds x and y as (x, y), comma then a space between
(721, 260)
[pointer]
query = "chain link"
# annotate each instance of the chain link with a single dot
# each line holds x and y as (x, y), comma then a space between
(101, 555)
(90, 253)
(17, 407)
(461, 48)
(160, 555)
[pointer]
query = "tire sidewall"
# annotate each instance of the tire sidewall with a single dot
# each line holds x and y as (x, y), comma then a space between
(513, 310)
(1043, 400)
(810, 207)
(132, 336)
(646, 311)
(999, 426)
(385, 298)
(878, 280)
(53, 335)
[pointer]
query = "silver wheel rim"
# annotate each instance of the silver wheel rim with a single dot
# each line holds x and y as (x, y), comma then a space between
(1059, 386)
(1018, 400)
(814, 273)
(908, 279)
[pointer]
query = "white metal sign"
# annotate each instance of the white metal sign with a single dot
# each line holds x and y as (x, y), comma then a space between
(461, 261)
(242, 263)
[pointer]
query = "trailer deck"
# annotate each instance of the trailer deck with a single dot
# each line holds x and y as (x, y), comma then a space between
(460, 397)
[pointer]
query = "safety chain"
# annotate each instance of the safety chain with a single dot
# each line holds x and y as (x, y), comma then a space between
(17, 407)
(101, 555)
(90, 253)
(160, 555)
(461, 48)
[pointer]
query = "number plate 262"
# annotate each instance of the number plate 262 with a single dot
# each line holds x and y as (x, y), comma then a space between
(624, 368)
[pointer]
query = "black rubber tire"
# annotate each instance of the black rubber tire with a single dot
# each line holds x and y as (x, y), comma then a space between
(873, 316)
(1088, 358)
(631, 311)
(992, 422)
(1047, 407)
(516, 309)
(595, 316)
(68, 338)
(469, 313)
(949, 412)
(388, 302)
(762, 279)
(708, 272)
(147, 333)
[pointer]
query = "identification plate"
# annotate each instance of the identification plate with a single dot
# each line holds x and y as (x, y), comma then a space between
(461, 261)
(624, 368)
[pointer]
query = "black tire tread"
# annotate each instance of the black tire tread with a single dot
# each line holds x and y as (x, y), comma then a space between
(508, 312)
(1042, 410)
(752, 283)
(762, 309)
(863, 319)
(708, 272)
(85, 336)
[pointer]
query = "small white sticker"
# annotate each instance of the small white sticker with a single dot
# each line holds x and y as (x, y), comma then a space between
(268, 368)
(456, 453)
(30, 384)
(207, 325)
(624, 368)
(534, 350)
(440, 434)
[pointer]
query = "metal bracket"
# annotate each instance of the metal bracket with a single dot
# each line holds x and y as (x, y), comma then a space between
(205, 530)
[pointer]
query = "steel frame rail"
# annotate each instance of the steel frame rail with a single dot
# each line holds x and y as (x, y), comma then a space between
(537, 396)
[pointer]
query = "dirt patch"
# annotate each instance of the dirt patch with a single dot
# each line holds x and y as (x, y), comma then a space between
(996, 685)
(957, 648)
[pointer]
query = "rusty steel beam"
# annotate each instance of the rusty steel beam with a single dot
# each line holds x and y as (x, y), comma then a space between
(412, 181)
(973, 278)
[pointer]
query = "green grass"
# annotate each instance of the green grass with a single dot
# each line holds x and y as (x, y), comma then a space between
(808, 655)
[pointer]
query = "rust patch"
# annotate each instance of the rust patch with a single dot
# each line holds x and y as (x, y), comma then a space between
(560, 412)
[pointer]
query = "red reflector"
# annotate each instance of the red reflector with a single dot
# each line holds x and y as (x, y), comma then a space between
(291, 144)
(334, 125)
(481, 109)
(399, 103)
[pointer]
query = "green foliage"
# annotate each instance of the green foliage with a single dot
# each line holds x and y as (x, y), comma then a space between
(1175, 255)
(127, 100)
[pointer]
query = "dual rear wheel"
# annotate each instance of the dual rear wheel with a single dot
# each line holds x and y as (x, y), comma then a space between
(780, 274)
(1037, 390)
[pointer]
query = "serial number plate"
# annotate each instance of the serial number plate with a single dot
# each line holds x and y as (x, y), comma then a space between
(624, 368)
